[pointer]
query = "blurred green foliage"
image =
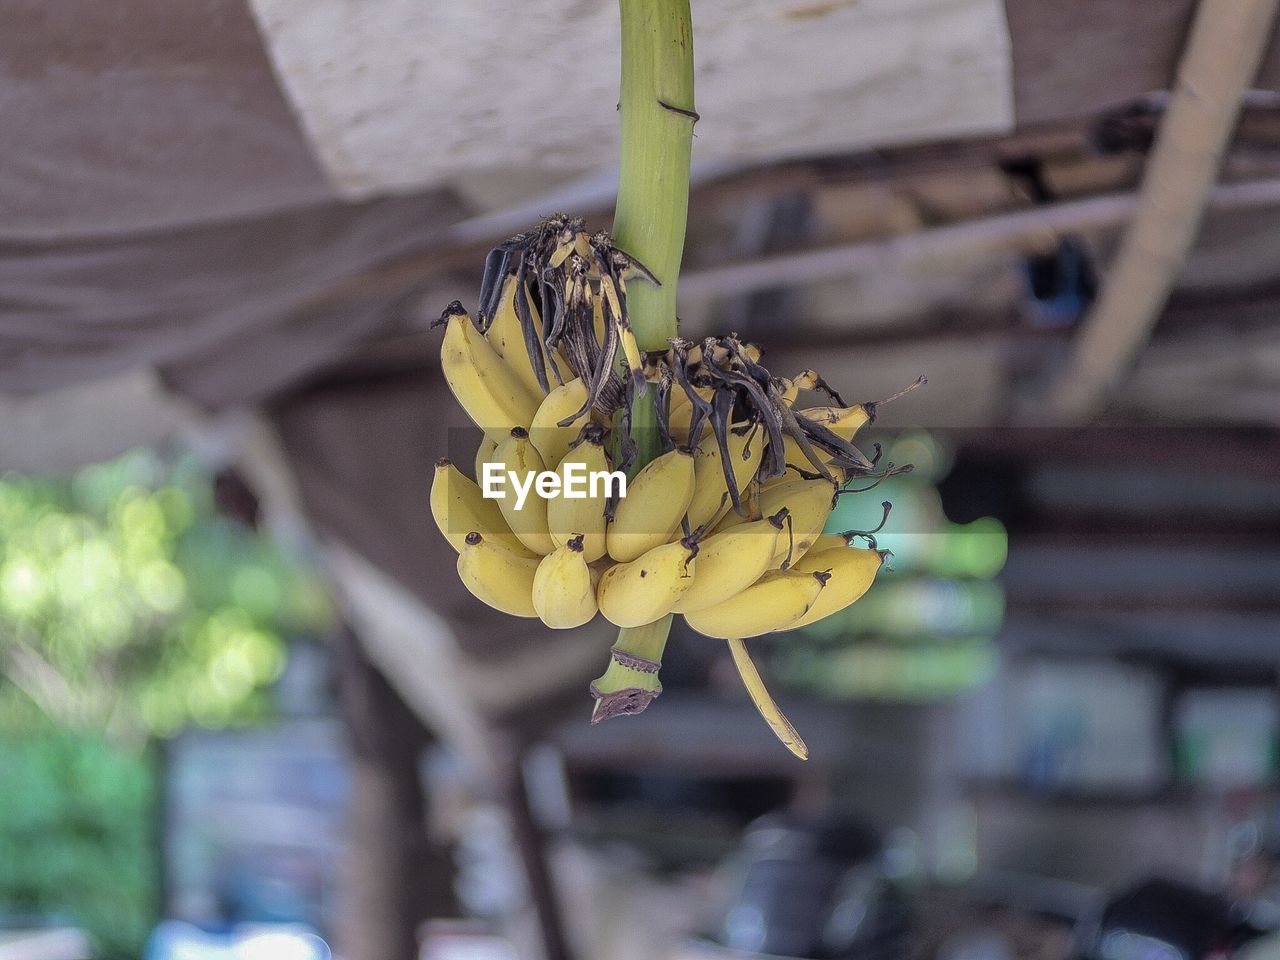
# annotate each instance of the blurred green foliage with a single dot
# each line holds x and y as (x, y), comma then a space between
(926, 630)
(128, 605)
(129, 609)
(74, 832)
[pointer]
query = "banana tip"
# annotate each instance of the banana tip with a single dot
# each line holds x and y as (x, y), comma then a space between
(454, 309)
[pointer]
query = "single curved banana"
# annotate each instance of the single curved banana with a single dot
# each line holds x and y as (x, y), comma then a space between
(852, 569)
(656, 501)
(485, 387)
(644, 590)
(497, 576)
(525, 510)
(844, 422)
(730, 562)
(506, 336)
(566, 517)
(773, 602)
(710, 491)
(564, 587)
(459, 507)
(810, 503)
(550, 438)
(795, 461)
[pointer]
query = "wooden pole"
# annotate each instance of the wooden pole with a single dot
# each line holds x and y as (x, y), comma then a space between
(1227, 41)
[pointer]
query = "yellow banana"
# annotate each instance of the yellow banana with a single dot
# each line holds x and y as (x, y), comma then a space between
(791, 474)
(497, 576)
(844, 422)
(773, 602)
(679, 410)
(829, 541)
(751, 501)
(656, 501)
(644, 590)
(730, 562)
(486, 388)
(552, 440)
(710, 492)
(796, 457)
(484, 453)
(810, 503)
(522, 506)
(790, 387)
(568, 518)
(795, 461)
(564, 589)
(506, 336)
(778, 723)
(459, 507)
(852, 569)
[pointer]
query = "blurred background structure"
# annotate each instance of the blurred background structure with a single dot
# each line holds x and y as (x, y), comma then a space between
(246, 709)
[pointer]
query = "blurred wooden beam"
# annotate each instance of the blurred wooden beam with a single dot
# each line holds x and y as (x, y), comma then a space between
(1222, 451)
(1222, 55)
(1209, 640)
(1016, 231)
(1131, 574)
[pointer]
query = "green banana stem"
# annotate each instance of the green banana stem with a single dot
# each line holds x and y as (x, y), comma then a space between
(657, 142)
(631, 681)
(649, 224)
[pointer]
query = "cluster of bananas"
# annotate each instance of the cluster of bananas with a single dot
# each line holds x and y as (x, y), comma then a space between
(724, 528)
(724, 525)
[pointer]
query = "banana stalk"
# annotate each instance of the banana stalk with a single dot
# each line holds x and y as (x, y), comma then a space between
(631, 681)
(657, 110)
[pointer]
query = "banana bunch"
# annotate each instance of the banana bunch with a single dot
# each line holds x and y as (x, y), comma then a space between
(560, 520)
(675, 543)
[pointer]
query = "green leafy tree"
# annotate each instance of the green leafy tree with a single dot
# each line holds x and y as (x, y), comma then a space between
(127, 605)
(129, 610)
(76, 825)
